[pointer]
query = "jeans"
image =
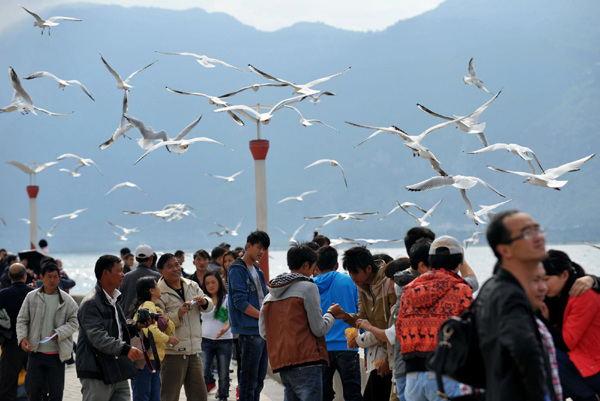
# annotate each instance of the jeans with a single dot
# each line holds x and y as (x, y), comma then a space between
(254, 366)
(13, 359)
(303, 384)
(146, 385)
(347, 363)
(44, 371)
(422, 386)
(573, 384)
(401, 387)
(222, 350)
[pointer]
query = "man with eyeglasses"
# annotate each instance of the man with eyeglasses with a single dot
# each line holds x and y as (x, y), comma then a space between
(516, 366)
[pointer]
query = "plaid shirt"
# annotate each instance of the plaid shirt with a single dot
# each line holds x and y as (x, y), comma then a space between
(549, 345)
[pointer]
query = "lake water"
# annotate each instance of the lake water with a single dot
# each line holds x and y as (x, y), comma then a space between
(80, 267)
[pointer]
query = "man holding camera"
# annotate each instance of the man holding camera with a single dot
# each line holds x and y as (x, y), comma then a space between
(182, 301)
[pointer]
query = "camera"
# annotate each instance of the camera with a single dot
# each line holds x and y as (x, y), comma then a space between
(144, 315)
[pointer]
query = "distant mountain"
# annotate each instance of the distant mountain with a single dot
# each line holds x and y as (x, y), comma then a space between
(543, 54)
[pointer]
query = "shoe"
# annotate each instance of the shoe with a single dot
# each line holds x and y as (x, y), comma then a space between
(210, 387)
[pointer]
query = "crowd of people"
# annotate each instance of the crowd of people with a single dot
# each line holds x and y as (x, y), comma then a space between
(150, 327)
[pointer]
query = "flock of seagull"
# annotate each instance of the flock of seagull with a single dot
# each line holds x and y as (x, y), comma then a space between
(151, 140)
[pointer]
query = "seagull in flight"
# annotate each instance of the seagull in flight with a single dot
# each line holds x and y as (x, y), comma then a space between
(211, 100)
(299, 198)
(123, 127)
(470, 123)
(341, 216)
(457, 181)
(332, 163)
(204, 61)
(219, 234)
(474, 239)
(548, 179)
(421, 221)
(126, 231)
(75, 173)
(264, 118)
(21, 101)
(122, 237)
(148, 133)
(513, 148)
(470, 213)
(486, 211)
(81, 160)
(369, 241)
(293, 237)
(307, 123)
(231, 178)
(61, 82)
(405, 205)
(49, 232)
(48, 22)
(126, 184)
(472, 78)
(70, 215)
(172, 211)
(27, 221)
(28, 170)
(233, 232)
(120, 83)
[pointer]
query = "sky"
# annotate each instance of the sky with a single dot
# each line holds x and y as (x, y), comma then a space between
(265, 15)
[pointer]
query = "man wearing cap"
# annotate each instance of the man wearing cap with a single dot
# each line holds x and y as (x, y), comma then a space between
(426, 303)
(143, 255)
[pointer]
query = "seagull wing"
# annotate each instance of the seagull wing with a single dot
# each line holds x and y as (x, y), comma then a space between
(307, 193)
(587, 243)
(267, 76)
(298, 230)
(486, 209)
(318, 81)
(479, 180)
(331, 220)
(432, 183)
(216, 176)
(344, 175)
(416, 218)
(389, 213)
(472, 72)
(426, 110)
(475, 115)
(223, 227)
(41, 74)
(52, 19)
(511, 172)
(21, 166)
(240, 224)
(254, 87)
(113, 72)
(238, 173)
(224, 64)
(556, 172)
(463, 193)
(391, 130)
(180, 54)
(537, 161)
(439, 126)
(37, 17)
(16, 83)
(239, 107)
(114, 225)
(187, 130)
(83, 88)
(430, 211)
(289, 101)
(51, 113)
(61, 157)
(491, 148)
(286, 234)
(435, 163)
(319, 162)
(43, 167)
(139, 125)
(140, 70)
(285, 199)
(115, 187)
(53, 227)
(187, 93)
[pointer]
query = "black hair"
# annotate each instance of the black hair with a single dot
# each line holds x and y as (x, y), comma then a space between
(496, 232)
(202, 253)
(164, 259)
(43, 243)
(2, 250)
(313, 245)
(11, 258)
(383, 256)
(395, 266)
(125, 251)
(105, 262)
(327, 257)
(224, 245)
(239, 250)
(48, 265)
(221, 292)
(217, 252)
(18, 275)
(142, 288)
(179, 253)
(415, 234)
(558, 262)
(321, 240)
(419, 252)
(299, 254)
(154, 259)
(259, 237)
(443, 260)
(127, 256)
(359, 257)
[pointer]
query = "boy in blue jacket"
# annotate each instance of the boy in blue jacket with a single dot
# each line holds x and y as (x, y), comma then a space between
(338, 288)
(247, 290)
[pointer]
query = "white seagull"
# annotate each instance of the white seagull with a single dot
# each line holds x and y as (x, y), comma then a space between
(470, 213)
(404, 205)
(48, 22)
(126, 184)
(513, 148)
(231, 178)
(75, 173)
(27, 170)
(126, 231)
(148, 133)
(122, 237)
(474, 239)
(341, 216)
(62, 83)
(472, 78)
(548, 179)
(233, 232)
(211, 100)
(457, 181)
(70, 215)
(299, 198)
(486, 211)
(332, 163)
(264, 118)
(81, 160)
(49, 232)
(204, 61)
(120, 83)
(421, 221)
(172, 211)
(307, 123)
(369, 241)
(27, 221)
(123, 127)
(293, 237)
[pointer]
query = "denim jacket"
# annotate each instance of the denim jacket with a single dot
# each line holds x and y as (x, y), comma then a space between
(242, 292)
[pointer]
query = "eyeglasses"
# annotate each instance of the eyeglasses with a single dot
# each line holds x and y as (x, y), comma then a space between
(528, 233)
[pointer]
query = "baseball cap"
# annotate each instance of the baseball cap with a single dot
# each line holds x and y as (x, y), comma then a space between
(143, 251)
(446, 241)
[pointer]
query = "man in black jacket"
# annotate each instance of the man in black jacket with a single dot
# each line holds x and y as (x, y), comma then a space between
(144, 257)
(104, 338)
(516, 366)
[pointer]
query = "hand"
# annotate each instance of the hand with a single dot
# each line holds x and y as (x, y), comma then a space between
(135, 354)
(184, 308)
(222, 331)
(363, 324)
(146, 325)
(544, 311)
(336, 311)
(352, 344)
(51, 334)
(32, 284)
(384, 368)
(581, 285)
(25, 345)
(200, 299)
(160, 313)
(173, 340)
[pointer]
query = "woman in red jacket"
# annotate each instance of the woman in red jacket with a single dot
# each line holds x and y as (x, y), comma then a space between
(577, 318)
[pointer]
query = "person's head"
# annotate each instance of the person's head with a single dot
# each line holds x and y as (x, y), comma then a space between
(124, 251)
(359, 262)
(416, 233)
(321, 240)
(239, 251)
(201, 260)
(12, 259)
(146, 290)
(301, 259)
(109, 271)
(396, 266)
(17, 273)
(50, 275)
(43, 243)
(217, 255)
(445, 253)
(225, 246)
(168, 266)
(560, 269)
(419, 255)
(516, 238)
(128, 260)
(213, 286)
(256, 245)
(3, 254)
(228, 258)
(327, 259)
(180, 255)
(537, 288)
(144, 255)
(59, 263)
(383, 256)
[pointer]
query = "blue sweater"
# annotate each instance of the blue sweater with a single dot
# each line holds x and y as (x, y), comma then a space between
(337, 288)
(242, 292)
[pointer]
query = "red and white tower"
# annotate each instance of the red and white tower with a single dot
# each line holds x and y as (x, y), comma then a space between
(259, 148)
